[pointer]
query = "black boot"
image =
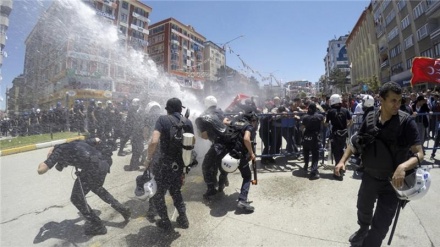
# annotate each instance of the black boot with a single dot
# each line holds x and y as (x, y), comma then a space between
(210, 192)
(124, 211)
(164, 224)
(358, 237)
(95, 228)
(182, 221)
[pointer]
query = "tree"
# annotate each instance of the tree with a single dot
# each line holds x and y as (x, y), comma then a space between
(338, 78)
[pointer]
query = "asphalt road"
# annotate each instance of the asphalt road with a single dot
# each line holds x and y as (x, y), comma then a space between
(290, 209)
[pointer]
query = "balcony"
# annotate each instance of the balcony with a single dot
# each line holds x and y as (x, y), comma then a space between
(106, 15)
(139, 29)
(433, 10)
(140, 41)
(140, 17)
(385, 64)
(6, 7)
(435, 33)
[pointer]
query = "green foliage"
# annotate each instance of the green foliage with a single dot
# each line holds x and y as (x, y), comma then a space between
(338, 78)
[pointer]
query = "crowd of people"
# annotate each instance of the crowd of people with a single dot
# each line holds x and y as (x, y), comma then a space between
(307, 125)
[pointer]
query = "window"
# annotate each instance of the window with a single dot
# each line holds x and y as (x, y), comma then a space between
(422, 32)
(437, 50)
(390, 17)
(138, 22)
(401, 4)
(395, 50)
(393, 33)
(123, 30)
(408, 42)
(124, 18)
(124, 5)
(405, 22)
(418, 10)
(426, 53)
(429, 2)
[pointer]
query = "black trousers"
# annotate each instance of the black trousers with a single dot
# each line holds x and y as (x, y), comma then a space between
(246, 174)
(315, 156)
(168, 180)
(137, 146)
(92, 181)
(338, 145)
(380, 219)
(212, 164)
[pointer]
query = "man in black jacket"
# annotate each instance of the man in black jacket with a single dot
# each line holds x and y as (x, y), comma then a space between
(169, 172)
(92, 168)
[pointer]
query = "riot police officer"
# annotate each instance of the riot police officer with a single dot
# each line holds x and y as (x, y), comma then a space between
(340, 119)
(92, 168)
(212, 161)
(312, 123)
(169, 171)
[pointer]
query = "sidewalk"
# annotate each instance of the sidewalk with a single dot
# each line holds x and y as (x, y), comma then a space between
(37, 146)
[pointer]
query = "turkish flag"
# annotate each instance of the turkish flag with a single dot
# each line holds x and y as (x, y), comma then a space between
(425, 69)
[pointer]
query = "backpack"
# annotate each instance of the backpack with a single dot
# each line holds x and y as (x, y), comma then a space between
(175, 144)
(233, 137)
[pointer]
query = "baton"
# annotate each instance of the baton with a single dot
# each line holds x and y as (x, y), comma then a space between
(254, 168)
(401, 205)
(82, 190)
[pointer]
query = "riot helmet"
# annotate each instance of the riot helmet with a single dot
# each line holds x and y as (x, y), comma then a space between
(153, 107)
(335, 99)
(415, 185)
(229, 164)
(367, 101)
(210, 101)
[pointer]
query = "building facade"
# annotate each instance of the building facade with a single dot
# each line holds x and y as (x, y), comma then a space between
(76, 52)
(179, 50)
(215, 60)
(336, 58)
(363, 52)
(5, 10)
(405, 30)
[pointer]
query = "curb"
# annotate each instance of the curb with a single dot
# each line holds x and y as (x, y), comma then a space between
(38, 146)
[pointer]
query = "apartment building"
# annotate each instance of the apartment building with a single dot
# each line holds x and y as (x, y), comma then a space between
(336, 58)
(362, 51)
(215, 60)
(5, 10)
(74, 53)
(404, 30)
(179, 50)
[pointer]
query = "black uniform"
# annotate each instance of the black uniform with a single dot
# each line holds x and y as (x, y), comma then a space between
(338, 117)
(311, 138)
(381, 158)
(213, 158)
(93, 168)
(244, 168)
(169, 170)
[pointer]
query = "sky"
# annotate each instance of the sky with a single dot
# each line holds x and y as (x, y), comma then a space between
(287, 39)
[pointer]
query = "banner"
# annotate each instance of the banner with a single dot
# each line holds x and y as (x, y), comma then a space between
(425, 69)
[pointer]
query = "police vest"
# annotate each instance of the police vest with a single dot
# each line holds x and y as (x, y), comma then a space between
(382, 156)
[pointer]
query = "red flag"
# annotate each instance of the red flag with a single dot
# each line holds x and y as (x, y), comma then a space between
(425, 69)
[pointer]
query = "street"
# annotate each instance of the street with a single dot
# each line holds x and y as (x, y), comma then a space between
(291, 210)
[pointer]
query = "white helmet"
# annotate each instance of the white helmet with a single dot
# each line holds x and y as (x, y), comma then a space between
(368, 101)
(135, 102)
(210, 101)
(335, 99)
(109, 102)
(415, 186)
(150, 189)
(229, 164)
(151, 105)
